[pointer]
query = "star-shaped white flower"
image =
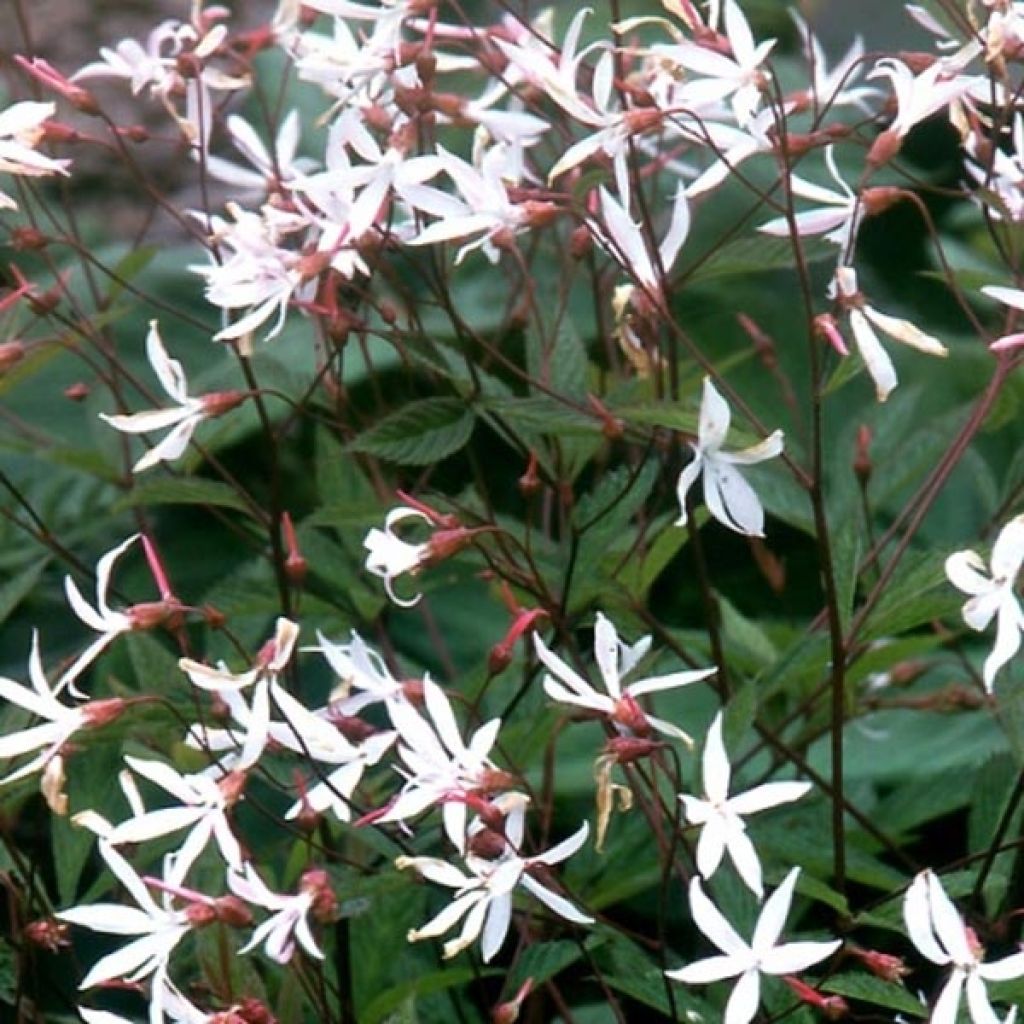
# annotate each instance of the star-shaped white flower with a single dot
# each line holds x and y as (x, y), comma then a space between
(995, 596)
(721, 815)
(440, 767)
(484, 895)
(183, 419)
(21, 129)
(940, 934)
(748, 961)
(289, 923)
(615, 660)
(730, 499)
(103, 619)
(60, 722)
(203, 805)
(158, 927)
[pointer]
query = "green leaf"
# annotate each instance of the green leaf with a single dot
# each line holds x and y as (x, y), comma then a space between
(15, 590)
(746, 642)
(543, 960)
(559, 363)
(755, 254)
(393, 1000)
(541, 414)
(183, 491)
(419, 433)
(869, 989)
(133, 263)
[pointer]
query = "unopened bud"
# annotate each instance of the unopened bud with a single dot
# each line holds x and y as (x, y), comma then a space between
(151, 614)
(538, 213)
(508, 1012)
(77, 392)
(230, 910)
(611, 426)
(199, 915)
(581, 243)
(530, 483)
(27, 239)
(627, 749)
(412, 690)
(217, 403)
(11, 353)
(213, 617)
(48, 76)
(886, 966)
(295, 565)
(826, 328)
(101, 712)
(231, 787)
(136, 133)
(388, 313)
(862, 459)
(878, 199)
(884, 148)
(831, 1007)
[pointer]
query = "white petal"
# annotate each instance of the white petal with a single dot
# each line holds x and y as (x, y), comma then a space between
(966, 571)
(710, 921)
(565, 849)
(876, 359)
(918, 918)
(771, 794)
(1008, 628)
(744, 856)
(745, 999)
(946, 1006)
(168, 371)
(704, 972)
(948, 924)
(731, 500)
(668, 682)
(715, 763)
(687, 478)
(711, 846)
(1008, 550)
(795, 957)
(499, 916)
(773, 914)
(977, 1001)
(606, 653)
(554, 902)
(1003, 970)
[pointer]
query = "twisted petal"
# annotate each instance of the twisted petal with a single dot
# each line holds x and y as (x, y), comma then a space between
(731, 500)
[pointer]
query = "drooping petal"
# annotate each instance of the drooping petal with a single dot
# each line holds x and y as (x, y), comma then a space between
(977, 1001)
(731, 500)
(876, 359)
(499, 916)
(917, 917)
(554, 902)
(946, 1006)
(966, 571)
(687, 478)
(1008, 638)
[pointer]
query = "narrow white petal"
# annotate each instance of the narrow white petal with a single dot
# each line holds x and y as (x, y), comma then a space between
(876, 359)
(795, 957)
(704, 972)
(773, 914)
(731, 500)
(745, 999)
(710, 921)
(715, 763)
(554, 902)
(918, 918)
(771, 794)
(947, 922)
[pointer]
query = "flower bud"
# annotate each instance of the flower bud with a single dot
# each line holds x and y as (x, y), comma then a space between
(862, 459)
(151, 614)
(530, 483)
(629, 714)
(831, 1007)
(884, 148)
(883, 965)
(626, 749)
(508, 1012)
(487, 843)
(27, 239)
(217, 403)
(11, 353)
(77, 392)
(230, 910)
(49, 77)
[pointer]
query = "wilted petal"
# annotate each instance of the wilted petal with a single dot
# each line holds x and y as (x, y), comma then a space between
(876, 359)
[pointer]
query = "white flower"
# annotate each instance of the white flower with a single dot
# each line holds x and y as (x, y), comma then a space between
(271, 169)
(159, 929)
(358, 667)
(863, 320)
(749, 961)
(993, 597)
(484, 895)
(614, 660)
(739, 76)
(389, 556)
(313, 736)
(21, 129)
(439, 766)
(629, 247)
(721, 815)
(61, 722)
(940, 934)
(839, 215)
(103, 619)
(183, 419)
(203, 803)
(288, 924)
(920, 96)
(730, 499)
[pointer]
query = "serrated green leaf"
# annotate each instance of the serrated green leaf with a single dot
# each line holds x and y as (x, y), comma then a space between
(183, 491)
(869, 989)
(542, 415)
(419, 433)
(755, 254)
